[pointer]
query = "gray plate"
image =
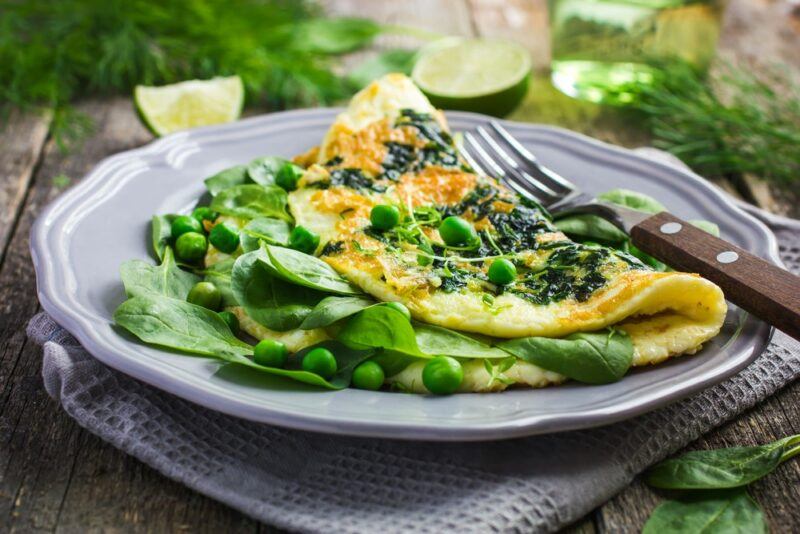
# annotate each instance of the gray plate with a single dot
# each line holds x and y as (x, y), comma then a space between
(81, 239)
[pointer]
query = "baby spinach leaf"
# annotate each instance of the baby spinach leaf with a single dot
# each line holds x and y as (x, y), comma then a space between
(591, 227)
(346, 360)
(332, 309)
(592, 357)
(226, 179)
(161, 233)
(380, 327)
(140, 278)
(273, 231)
(219, 274)
(435, 341)
(708, 513)
(179, 325)
(309, 271)
(263, 170)
(268, 300)
(722, 468)
(251, 201)
(633, 200)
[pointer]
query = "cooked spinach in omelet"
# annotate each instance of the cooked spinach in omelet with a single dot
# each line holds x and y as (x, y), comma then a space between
(381, 259)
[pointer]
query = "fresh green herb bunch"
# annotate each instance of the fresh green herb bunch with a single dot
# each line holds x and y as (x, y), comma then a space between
(53, 52)
(728, 123)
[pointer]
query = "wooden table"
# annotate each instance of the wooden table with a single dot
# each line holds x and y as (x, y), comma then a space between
(56, 476)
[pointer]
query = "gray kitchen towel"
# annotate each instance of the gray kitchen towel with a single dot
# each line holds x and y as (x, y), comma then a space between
(319, 483)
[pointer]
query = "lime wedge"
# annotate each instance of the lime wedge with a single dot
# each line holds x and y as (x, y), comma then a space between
(482, 75)
(170, 108)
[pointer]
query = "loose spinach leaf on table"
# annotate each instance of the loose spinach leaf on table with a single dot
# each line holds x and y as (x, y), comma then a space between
(219, 274)
(226, 179)
(161, 233)
(591, 357)
(380, 327)
(346, 360)
(263, 170)
(720, 512)
(251, 201)
(722, 468)
(332, 309)
(273, 231)
(141, 278)
(179, 325)
(435, 341)
(309, 271)
(267, 299)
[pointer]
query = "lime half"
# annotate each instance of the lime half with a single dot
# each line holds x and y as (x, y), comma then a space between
(170, 108)
(482, 75)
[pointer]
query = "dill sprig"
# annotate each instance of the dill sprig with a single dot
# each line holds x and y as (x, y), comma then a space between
(54, 52)
(729, 123)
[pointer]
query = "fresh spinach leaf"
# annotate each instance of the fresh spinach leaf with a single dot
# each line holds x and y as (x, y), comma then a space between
(591, 227)
(633, 200)
(269, 300)
(179, 325)
(309, 271)
(591, 357)
(219, 274)
(722, 468)
(335, 35)
(272, 231)
(226, 179)
(251, 201)
(380, 327)
(263, 170)
(392, 60)
(708, 513)
(332, 309)
(436, 341)
(346, 360)
(140, 278)
(161, 233)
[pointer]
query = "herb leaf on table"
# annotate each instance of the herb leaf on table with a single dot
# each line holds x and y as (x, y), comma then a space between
(708, 513)
(722, 468)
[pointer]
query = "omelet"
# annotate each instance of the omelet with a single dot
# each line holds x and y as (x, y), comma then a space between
(390, 146)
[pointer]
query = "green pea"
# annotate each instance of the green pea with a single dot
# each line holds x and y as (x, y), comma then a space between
(204, 213)
(368, 375)
(399, 306)
(442, 375)
(457, 231)
(384, 216)
(320, 361)
(502, 272)
(191, 247)
(184, 224)
(270, 353)
(231, 320)
(224, 238)
(303, 239)
(205, 294)
(288, 175)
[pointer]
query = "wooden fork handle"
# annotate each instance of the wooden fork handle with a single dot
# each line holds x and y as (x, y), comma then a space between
(761, 288)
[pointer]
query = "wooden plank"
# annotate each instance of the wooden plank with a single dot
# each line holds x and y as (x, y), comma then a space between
(53, 474)
(22, 139)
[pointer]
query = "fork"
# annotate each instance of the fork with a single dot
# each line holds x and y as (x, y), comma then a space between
(760, 287)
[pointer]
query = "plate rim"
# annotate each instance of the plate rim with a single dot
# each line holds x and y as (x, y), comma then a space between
(148, 372)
